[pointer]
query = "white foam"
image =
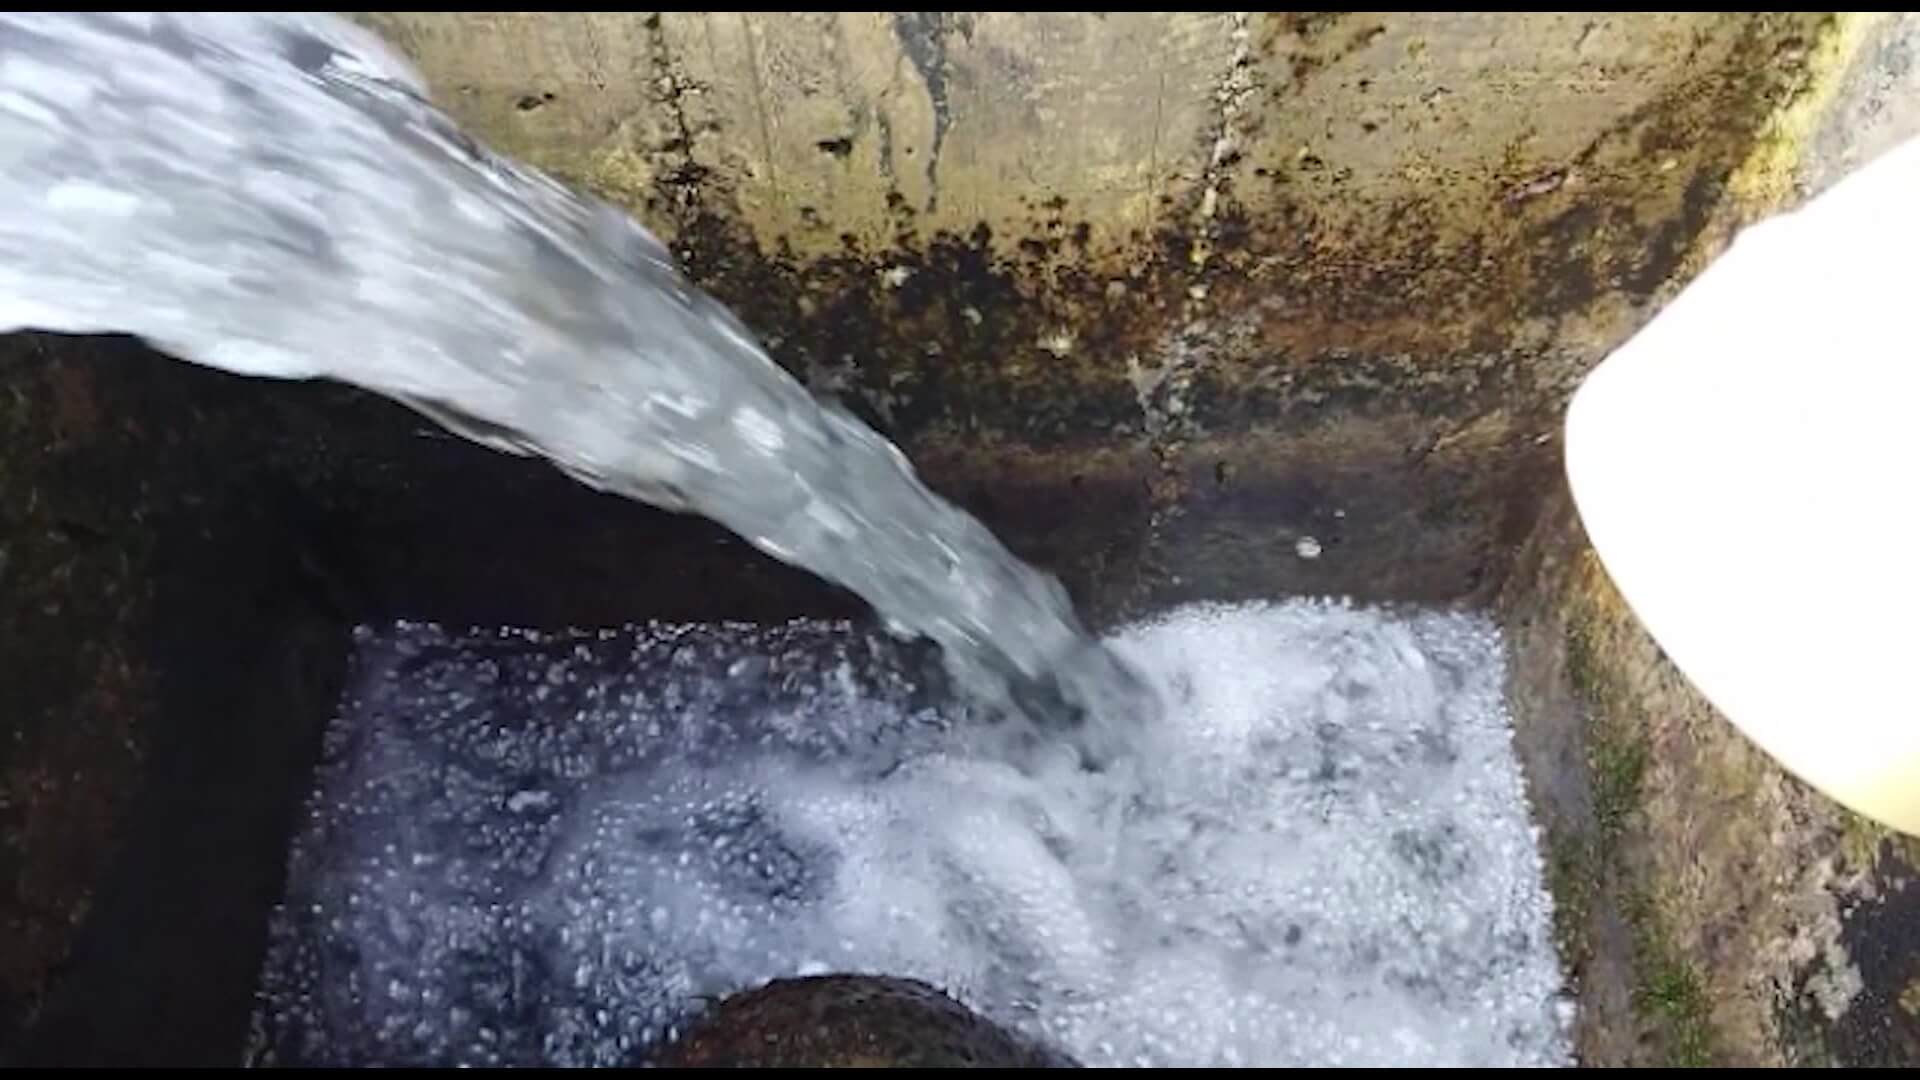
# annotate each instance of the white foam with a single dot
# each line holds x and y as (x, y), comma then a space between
(547, 851)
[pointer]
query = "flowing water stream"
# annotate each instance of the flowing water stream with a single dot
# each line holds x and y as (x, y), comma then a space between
(1307, 844)
(273, 194)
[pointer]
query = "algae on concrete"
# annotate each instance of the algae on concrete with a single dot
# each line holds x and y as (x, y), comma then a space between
(1158, 293)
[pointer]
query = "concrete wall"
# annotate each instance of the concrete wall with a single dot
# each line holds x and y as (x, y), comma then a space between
(1213, 274)
(1346, 237)
(1715, 909)
(1209, 220)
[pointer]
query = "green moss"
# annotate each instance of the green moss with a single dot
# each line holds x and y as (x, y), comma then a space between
(1616, 752)
(1590, 870)
(1573, 879)
(1804, 92)
(1581, 862)
(1582, 670)
(1619, 763)
(1669, 993)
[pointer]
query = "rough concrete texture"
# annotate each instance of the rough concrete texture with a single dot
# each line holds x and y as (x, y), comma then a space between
(1394, 237)
(56, 832)
(1160, 295)
(182, 556)
(1031, 224)
(1715, 910)
(1872, 106)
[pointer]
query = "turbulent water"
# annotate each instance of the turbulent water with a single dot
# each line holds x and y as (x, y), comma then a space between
(533, 849)
(548, 850)
(272, 194)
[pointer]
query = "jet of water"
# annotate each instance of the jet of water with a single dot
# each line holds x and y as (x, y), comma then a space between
(273, 194)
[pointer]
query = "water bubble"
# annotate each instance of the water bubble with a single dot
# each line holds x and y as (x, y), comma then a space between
(1294, 881)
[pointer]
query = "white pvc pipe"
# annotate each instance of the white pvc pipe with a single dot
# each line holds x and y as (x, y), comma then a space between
(1748, 469)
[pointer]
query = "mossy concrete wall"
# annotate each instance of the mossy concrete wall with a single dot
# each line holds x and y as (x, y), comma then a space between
(1156, 293)
(1379, 242)
(1714, 909)
(1235, 239)
(1072, 226)
(1227, 260)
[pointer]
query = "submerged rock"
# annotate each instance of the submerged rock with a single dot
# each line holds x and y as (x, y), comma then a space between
(853, 1021)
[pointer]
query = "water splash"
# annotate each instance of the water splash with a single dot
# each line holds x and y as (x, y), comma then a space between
(272, 194)
(530, 849)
